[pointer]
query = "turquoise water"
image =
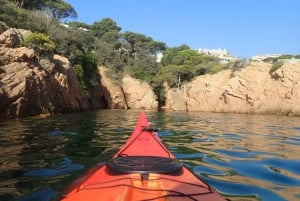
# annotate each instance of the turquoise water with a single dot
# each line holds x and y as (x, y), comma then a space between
(245, 157)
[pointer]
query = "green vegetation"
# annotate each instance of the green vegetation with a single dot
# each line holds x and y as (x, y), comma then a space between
(102, 43)
(281, 58)
(39, 42)
(277, 62)
(58, 9)
(276, 65)
(182, 64)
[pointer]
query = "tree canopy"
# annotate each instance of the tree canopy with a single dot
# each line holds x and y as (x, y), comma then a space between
(102, 43)
(99, 28)
(181, 64)
(58, 8)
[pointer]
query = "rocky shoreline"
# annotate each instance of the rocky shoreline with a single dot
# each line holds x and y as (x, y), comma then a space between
(252, 90)
(32, 86)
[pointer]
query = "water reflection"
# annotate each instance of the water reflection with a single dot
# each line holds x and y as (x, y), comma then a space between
(64, 166)
(246, 157)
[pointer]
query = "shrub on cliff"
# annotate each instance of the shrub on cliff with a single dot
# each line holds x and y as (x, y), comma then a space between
(276, 65)
(39, 42)
(79, 71)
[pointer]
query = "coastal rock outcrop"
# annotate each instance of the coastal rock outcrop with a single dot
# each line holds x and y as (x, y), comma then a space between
(127, 93)
(30, 85)
(138, 94)
(251, 90)
(112, 90)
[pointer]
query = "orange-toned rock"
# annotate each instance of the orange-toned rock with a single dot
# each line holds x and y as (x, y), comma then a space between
(112, 91)
(251, 90)
(138, 94)
(31, 86)
(128, 93)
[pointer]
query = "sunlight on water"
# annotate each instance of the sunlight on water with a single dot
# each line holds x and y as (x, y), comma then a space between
(245, 157)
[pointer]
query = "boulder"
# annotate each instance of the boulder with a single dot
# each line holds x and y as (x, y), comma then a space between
(138, 94)
(12, 37)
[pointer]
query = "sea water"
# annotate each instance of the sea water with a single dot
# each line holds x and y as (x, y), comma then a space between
(244, 157)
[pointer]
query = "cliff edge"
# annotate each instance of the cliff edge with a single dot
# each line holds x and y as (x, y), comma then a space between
(30, 85)
(251, 90)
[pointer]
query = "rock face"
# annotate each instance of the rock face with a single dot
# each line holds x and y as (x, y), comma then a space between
(129, 93)
(251, 90)
(31, 85)
(138, 94)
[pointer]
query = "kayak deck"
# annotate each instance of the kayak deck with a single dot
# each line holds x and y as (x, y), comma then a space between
(143, 169)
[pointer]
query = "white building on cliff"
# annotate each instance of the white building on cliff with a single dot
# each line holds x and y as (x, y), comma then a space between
(222, 54)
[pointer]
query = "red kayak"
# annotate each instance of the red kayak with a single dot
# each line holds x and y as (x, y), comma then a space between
(143, 169)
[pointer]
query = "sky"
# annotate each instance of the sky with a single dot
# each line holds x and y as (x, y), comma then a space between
(244, 27)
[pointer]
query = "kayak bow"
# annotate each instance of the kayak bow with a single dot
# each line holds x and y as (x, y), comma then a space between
(143, 169)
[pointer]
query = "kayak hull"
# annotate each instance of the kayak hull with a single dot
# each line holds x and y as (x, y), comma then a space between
(129, 175)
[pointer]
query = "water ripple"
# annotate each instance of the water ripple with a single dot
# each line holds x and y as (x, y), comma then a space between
(245, 157)
(64, 166)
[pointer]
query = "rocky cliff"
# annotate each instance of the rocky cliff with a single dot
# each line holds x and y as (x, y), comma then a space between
(127, 93)
(30, 85)
(250, 90)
